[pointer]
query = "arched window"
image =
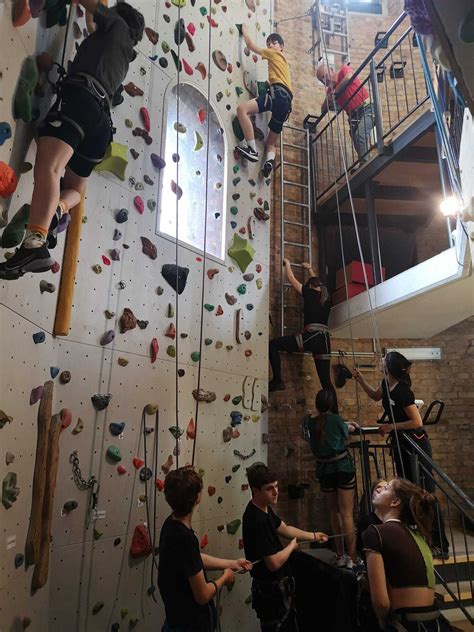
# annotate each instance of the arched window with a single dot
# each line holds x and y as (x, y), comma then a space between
(194, 176)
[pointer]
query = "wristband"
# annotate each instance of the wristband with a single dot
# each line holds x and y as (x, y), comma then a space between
(215, 586)
(315, 538)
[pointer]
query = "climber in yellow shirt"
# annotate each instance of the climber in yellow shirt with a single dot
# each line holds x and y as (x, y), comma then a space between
(276, 100)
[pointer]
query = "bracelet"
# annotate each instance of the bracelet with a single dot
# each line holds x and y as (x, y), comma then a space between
(215, 586)
(314, 534)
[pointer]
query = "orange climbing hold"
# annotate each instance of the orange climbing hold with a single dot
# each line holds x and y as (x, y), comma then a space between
(8, 180)
(20, 12)
(191, 429)
(204, 541)
(137, 463)
(154, 348)
(160, 485)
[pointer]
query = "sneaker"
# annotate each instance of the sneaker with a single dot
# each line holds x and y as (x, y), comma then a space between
(350, 564)
(26, 260)
(267, 168)
(276, 386)
(439, 553)
(249, 153)
(52, 238)
(340, 561)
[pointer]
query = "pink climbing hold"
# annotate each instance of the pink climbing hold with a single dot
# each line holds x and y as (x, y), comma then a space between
(121, 470)
(139, 204)
(66, 418)
(154, 348)
(171, 331)
(187, 68)
(191, 28)
(258, 267)
(219, 310)
(55, 267)
(202, 116)
(212, 22)
(242, 230)
(106, 260)
(177, 190)
(36, 394)
(260, 201)
(145, 117)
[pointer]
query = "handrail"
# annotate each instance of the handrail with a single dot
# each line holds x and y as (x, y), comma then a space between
(361, 67)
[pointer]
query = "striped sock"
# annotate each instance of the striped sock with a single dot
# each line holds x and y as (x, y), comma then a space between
(35, 236)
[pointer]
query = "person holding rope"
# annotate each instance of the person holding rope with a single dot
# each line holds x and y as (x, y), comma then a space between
(314, 338)
(399, 561)
(186, 592)
(335, 470)
(273, 585)
(398, 401)
(276, 100)
(77, 130)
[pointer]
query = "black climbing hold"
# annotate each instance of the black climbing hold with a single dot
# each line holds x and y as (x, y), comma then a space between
(69, 506)
(101, 402)
(228, 479)
(176, 276)
(181, 372)
(121, 216)
(19, 559)
(145, 474)
(179, 32)
(163, 62)
(143, 324)
(115, 627)
(177, 61)
(39, 337)
(117, 541)
(116, 428)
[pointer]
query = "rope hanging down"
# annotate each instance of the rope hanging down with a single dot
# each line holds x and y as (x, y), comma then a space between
(366, 282)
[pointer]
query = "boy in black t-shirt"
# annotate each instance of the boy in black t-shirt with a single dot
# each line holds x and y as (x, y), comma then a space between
(184, 587)
(273, 584)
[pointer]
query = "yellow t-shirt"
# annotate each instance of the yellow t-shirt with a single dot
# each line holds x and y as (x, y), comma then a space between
(278, 69)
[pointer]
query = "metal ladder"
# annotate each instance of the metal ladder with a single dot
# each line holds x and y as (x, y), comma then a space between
(295, 206)
(330, 31)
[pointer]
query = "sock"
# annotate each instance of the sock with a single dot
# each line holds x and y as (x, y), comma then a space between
(35, 236)
(243, 143)
(63, 207)
(251, 144)
(270, 155)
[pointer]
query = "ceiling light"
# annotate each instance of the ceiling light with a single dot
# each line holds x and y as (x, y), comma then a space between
(450, 206)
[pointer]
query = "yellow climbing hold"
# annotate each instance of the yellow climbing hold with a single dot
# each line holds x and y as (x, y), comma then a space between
(199, 142)
(179, 3)
(241, 251)
(115, 160)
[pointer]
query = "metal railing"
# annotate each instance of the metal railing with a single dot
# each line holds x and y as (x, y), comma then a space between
(394, 82)
(375, 460)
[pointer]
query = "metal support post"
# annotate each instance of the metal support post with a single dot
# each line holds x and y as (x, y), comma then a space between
(377, 108)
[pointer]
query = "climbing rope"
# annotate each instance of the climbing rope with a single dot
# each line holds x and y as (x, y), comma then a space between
(154, 565)
(366, 282)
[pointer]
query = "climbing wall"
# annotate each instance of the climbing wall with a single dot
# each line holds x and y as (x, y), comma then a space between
(133, 340)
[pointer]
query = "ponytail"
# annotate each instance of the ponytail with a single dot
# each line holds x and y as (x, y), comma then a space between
(324, 404)
(398, 367)
(417, 506)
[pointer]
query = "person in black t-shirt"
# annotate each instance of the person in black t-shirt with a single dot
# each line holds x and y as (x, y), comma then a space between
(78, 129)
(184, 587)
(398, 401)
(273, 584)
(315, 337)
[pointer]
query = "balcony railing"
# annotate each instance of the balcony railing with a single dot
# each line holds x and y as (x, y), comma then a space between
(394, 79)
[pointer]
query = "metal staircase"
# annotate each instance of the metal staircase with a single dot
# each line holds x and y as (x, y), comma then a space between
(295, 215)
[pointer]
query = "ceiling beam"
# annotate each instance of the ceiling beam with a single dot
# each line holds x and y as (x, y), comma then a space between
(399, 193)
(417, 154)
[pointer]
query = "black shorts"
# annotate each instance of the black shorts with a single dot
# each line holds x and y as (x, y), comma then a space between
(276, 100)
(90, 117)
(337, 480)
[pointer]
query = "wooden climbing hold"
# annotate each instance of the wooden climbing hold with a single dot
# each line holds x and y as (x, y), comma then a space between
(132, 90)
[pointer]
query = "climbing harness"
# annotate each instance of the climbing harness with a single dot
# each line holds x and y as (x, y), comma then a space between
(318, 329)
(91, 484)
(273, 601)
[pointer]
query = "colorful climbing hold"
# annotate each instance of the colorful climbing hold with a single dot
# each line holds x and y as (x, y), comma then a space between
(242, 251)
(139, 204)
(233, 526)
(154, 348)
(149, 248)
(107, 337)
(100, 402)
(115, 160)
(116, 428)
(39, 337)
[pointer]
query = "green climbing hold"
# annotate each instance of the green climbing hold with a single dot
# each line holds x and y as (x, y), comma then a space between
(199, 142)
(233, 526)
(234, 210)
(209, 307)
(236, 468)
(236, 400)
(242, 251)
(242, 289)
(22, 108)
(236, 168)
(203, 11)
(113, 454)
(171, 351)
(14, 232)
(239, 90)
(195, 356)
(170, 311)
(176, 431)
(177, 61)
(165, 47)
(266, 206)
(237, 129)
(115, 160)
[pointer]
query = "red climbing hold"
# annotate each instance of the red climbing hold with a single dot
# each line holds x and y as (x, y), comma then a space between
(211, 273)
(66, 418)
(191, 28)
(160, 485)
(8, 180)
(145, 117)
(137, 463)
(139, 205)
(191, 429)
(171, 331)
(55, 267)
(106, 260)
(149, 248)
(154, 348)
(260, 201)
(202, 116)
(212, 22)
(241, 543)
(187, 68)
(219, 310)
(248, 353)
(201, 68)
(121, 470)
(204, 541)
(211, 490)
(226, 397)
(141, 544)
(258, 267)
(199, 259)
(242, 230)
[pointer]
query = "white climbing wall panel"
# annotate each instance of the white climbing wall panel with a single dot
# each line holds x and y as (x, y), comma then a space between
(84, 570)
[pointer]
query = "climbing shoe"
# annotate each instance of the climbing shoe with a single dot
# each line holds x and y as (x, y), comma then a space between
(26, 260)
(52, 239)
(268, 168)
(247, 152)
(276, 386)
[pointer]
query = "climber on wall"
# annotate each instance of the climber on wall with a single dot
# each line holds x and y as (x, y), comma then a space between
(77, 130)
(315, 337)
(276, 100)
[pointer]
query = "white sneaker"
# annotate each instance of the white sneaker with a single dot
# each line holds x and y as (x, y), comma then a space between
(340, 561)
(350, 564)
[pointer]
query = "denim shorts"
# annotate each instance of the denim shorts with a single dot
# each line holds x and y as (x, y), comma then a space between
(276, 100)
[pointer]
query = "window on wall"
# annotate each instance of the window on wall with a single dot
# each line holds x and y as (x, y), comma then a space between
(365, 6)
(193, 182)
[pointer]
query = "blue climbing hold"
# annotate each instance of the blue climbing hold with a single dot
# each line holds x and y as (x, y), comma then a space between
(233, 224)
(121, 216)
(116, 428)
(5, 132)
(39, 337)
(117, 235)
(53, 371)
(19, 559)
(236, 418)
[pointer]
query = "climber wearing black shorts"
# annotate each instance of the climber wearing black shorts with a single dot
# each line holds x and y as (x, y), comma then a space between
(315, 337)
(78, 129)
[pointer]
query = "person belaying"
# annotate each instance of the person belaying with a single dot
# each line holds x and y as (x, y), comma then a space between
(273, 583)
(186, 592)
(77, 130)
(277, 100)
(315, 336)
(398, 400)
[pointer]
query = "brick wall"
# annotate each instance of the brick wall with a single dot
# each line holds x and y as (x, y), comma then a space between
(449, 380)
